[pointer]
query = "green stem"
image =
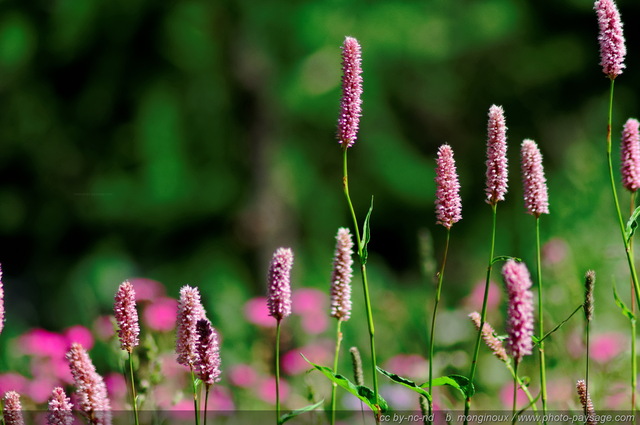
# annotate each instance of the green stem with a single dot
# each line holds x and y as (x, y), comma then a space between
(588, 332)
(365, 283)
(483, 315)
(433, 318)
(634, 361)
(515, 393)
(206, 402)
(278, 372)
(195, 396)
(134, 397)
(543, 373)
(515, 376)
(632, 267)
(334, 386)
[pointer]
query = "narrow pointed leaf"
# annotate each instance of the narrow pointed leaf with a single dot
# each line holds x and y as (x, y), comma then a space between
(560, 324)
(632, 224)
(366, 235)
(406, 382)
(363, 393)
(504, 258)
(623, 307)
(459, 382)
(285, 417)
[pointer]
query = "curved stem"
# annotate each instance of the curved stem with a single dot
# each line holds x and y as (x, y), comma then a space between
(543, 373)
(365, 283)
(334, 386)
(483, 315)
(433, 318)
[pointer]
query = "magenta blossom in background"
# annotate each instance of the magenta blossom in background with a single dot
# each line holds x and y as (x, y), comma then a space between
(147, 289)
(103, 327)
(411, 366)
(315, 322)
(79, 334)
(605, 347)
(506, 395)
(474, 300)
(243, 375)
(39, 389)
(13, 382)
(308, 300)
(160, 315)
(612, 43)
(267, 390)
(117, 388)
(448, 202)
(555, 251)
(41, 342)
(257, 312)
(293, 363)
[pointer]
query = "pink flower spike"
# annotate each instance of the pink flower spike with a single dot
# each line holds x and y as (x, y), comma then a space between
(1, 302)
(341, 276)
(190, 310)
(127, 317)
(536, 199)
(630, 153)
(612, 44)
(448, 202)
(496, 156)
(279, 281)
(12, 409)
(90, 387)
(59, 408)
(587, 405)
(350, 110)
(208, 364)
(520, 311)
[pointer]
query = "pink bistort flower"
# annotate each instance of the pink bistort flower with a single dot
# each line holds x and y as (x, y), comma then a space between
(587, 405)
(612, 44)
(630, 153)
(536, 199)
(208, 364)
(127, 316)
(520, 311)
(350, 110)
(190, 310)
(279, 284)
(90, 387)
(12, 409)
(59, 408)
(448, 202)
(496, 156)
(341, 276)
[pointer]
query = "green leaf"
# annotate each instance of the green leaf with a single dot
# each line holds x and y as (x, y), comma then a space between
(459, 382)
(622, 305)
(366, 235)
(632, 224)
(504, 258)
(285, 417)
(536, 340)
(406, 382)
(363, 393)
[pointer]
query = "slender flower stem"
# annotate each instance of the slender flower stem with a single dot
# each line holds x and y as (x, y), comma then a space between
(524, 388)
(278, 372)
(634, 361)
(365, 284)
(483, 314)
(433, 318)
(334, 386)
(134, 397)
(588, 332)
(195, 396)
(206, 402)
(515, 393)
(632, 267)
(543, 373)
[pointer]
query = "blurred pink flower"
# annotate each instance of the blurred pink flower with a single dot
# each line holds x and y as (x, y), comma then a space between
(39, 389)
(411, 366)
(308, 300)
(147, 289)
(617, 396)
(474, 299)
(220, 399)
(399, 397)
(293, 363)
(104, 328)
(243, 375)
(41, 342)
(554, 251)
(257, 312)
(315, 322)
(161, 314)
(117, 390)
(79, 334)
(12, 382)
(267, 390)
(506, 395)
(605, 347)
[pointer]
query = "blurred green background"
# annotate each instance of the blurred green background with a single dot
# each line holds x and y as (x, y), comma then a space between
(184, 141)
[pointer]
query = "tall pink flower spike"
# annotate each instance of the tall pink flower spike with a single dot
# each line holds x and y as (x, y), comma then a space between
(612, 44)
(341, 276)
(496, 156)
(127, 316)
(279, 284)
(350, 109)
(520, 311)
(448, 202)
(536, 198)
(190, 310)
(630, 153)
